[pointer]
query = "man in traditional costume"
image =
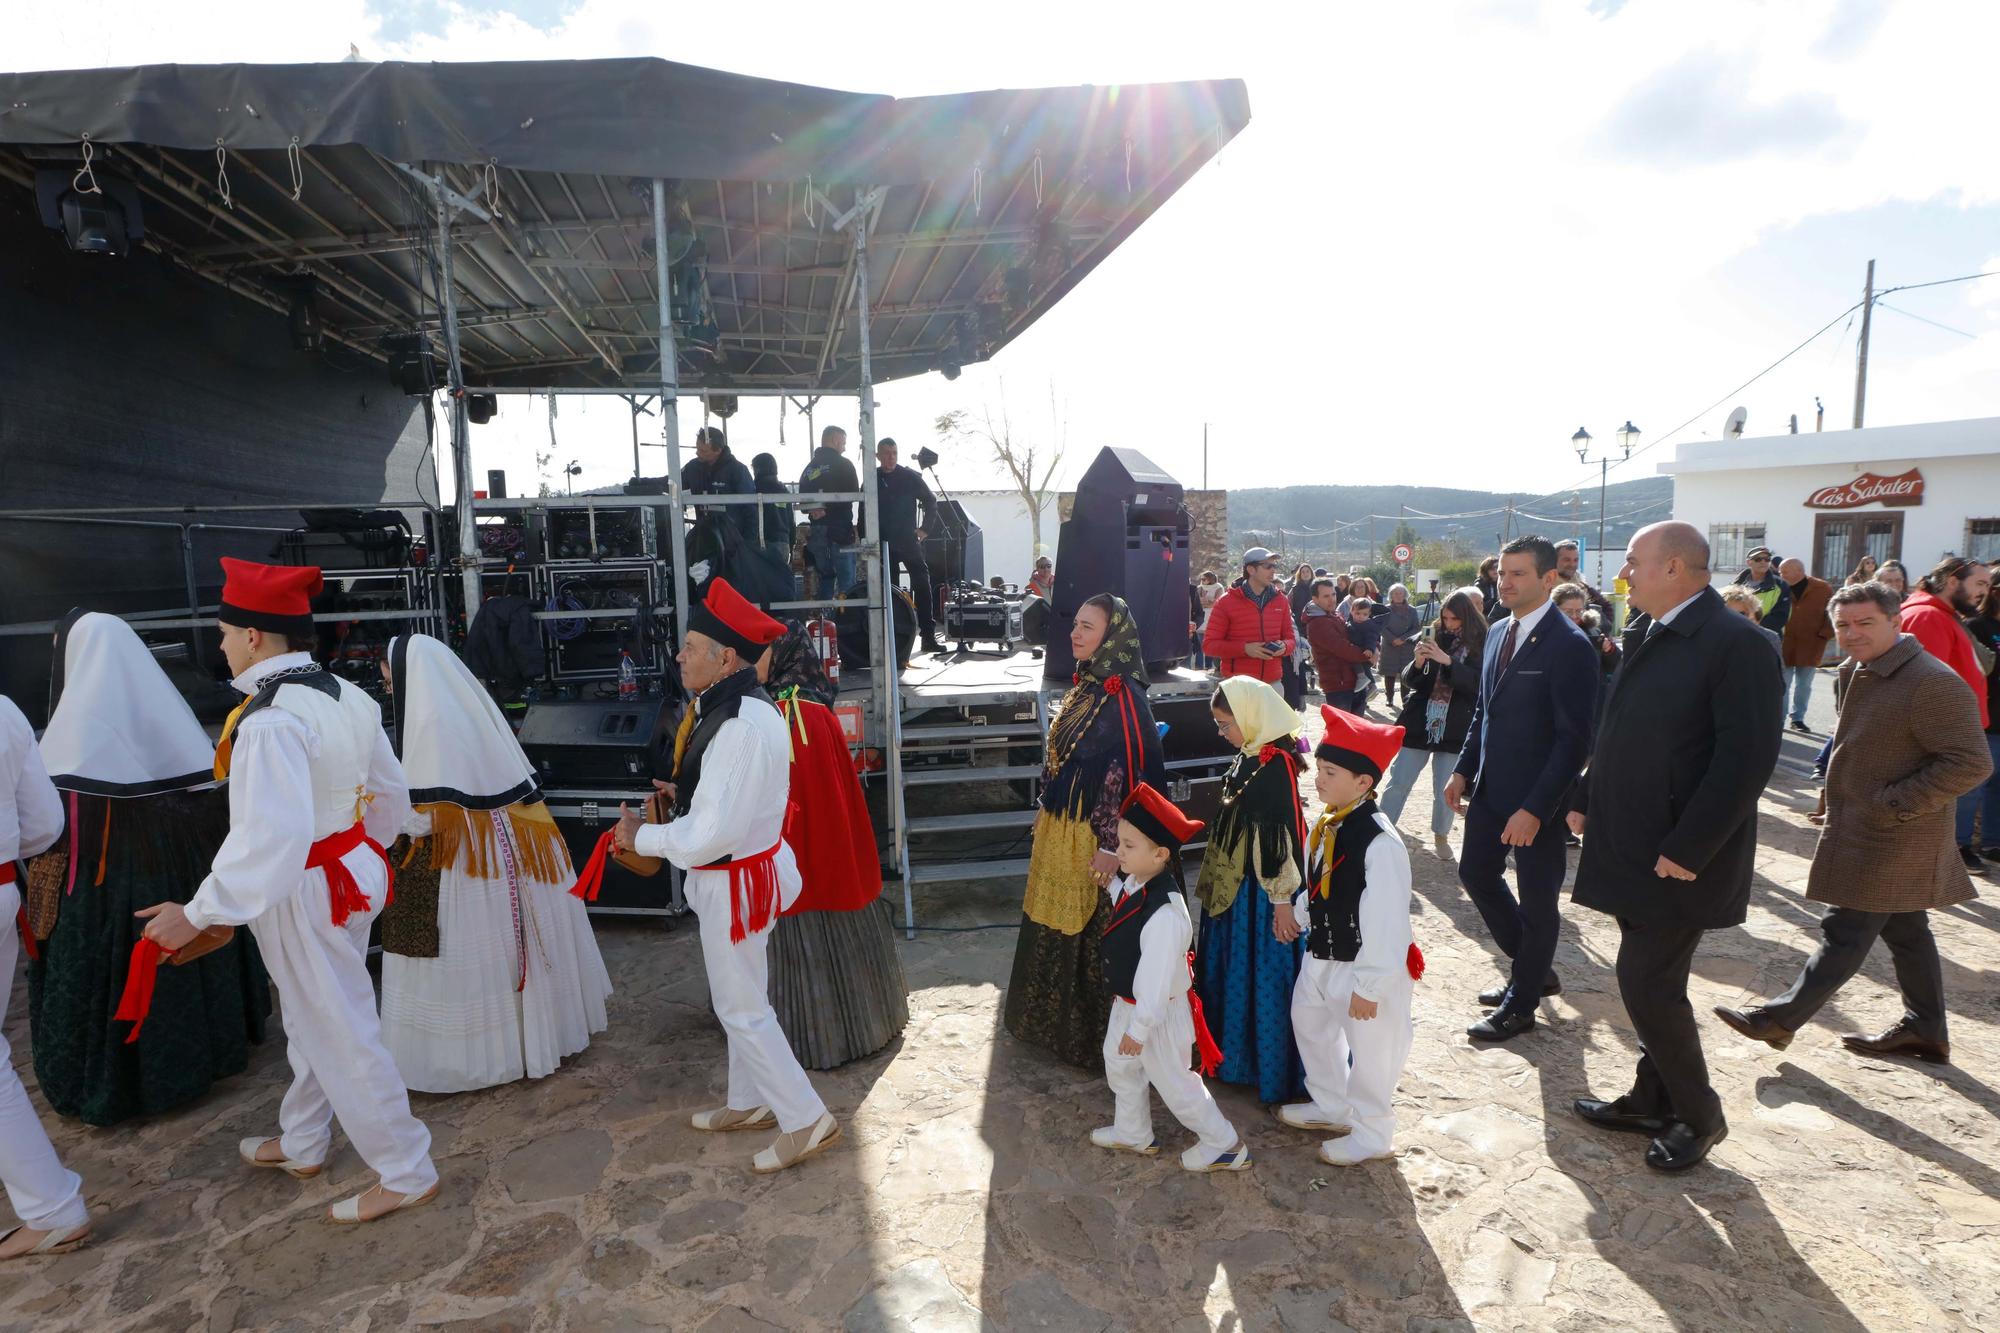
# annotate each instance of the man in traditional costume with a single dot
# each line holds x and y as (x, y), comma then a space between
(496, 976)
(314, 791)
(46, 1196)
(730, 793)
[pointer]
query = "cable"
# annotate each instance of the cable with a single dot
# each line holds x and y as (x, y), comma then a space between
(1921, 320)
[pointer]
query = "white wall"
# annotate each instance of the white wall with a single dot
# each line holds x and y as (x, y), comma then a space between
(1003, 520)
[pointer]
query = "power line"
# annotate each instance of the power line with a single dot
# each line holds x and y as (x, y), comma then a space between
(1922, 320)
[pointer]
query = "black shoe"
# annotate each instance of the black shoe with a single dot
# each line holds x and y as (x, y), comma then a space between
(1991, 854)
(1502, 1026)
(1801, 727)
(1757, 1025)
(1973, 861)
(1902, 1039)
(1615, 1115)
(1680, 1147)
(1492, 998)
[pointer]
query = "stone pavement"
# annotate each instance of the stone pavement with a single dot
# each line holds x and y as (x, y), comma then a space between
(1851, 1194)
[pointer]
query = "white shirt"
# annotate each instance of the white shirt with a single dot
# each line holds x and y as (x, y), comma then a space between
(1528, 621)
(1162, 975)
(1383, 917)
(738, 808)
(272, 804)
(1668, 618)
(31, 817)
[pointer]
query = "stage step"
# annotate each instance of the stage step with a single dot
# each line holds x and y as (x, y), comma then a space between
(930, 777)
(933, 731)
(992, 819)
(943, 871)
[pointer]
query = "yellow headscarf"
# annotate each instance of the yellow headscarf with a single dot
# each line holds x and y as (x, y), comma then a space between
(1261, 713)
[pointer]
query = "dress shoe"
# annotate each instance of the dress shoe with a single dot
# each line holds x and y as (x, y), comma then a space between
(1681, 1147)
(1492, 998)
(1973, 861)
(1901, 1039)
(1616, 1115)
(1801, 728)
(1500, 1026)
(1756, 1024)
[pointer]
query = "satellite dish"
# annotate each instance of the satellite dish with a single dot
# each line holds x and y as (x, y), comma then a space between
(1732, 429)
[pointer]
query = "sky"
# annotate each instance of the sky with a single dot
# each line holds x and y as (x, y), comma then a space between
(1451, 234)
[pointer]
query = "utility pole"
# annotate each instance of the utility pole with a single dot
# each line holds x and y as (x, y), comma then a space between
(1575, 522)
(1204, 455)
(1509, 529)
(1861, 360)
(1371, 539)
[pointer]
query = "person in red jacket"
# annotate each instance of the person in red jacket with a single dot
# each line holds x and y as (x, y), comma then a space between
(1248, 619)
(1931, 616)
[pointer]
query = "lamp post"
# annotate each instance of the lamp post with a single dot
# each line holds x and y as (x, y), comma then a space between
(570, 474)
(1628, 435)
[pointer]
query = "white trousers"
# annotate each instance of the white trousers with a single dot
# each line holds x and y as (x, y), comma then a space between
(333, 1036)
(1166, 1064)
(762, 1069)
(1361, 1097)
(46, 1195)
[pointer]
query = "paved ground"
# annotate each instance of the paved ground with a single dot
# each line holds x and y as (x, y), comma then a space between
(1851, 1194)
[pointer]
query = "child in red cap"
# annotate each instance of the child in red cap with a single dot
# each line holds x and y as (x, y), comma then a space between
(1155, 1018)
(1351, 1007)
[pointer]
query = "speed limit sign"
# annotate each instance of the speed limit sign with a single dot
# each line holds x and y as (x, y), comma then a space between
(1402, 553)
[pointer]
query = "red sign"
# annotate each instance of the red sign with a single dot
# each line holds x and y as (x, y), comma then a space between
(1898, 492)
(1402, 553)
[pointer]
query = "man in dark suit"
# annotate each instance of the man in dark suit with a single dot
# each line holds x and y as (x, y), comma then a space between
(1527, 740)
(1668, 813)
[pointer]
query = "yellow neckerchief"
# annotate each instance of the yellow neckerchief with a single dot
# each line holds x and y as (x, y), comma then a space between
(228, 734)
(1321, 844)
(682, 732)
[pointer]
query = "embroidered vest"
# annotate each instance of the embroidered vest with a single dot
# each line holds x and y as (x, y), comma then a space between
(1335, 934)
(1120, 946)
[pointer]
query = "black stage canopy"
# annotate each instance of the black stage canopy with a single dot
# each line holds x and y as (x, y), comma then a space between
(312, 183)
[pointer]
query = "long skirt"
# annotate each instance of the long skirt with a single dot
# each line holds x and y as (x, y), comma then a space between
(204, 1015)
(1245, 978)
(1055, 996)
(837, 984)
(502, 1000)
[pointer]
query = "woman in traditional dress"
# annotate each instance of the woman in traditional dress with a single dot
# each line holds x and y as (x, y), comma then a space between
(836, 982)
(1102, 744)
(497, 976)
(145, 816)
(1253, 865)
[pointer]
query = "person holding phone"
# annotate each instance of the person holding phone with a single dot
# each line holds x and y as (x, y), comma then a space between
(1250, 630)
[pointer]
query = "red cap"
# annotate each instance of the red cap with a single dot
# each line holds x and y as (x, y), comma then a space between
(1356, 744)
(1159, 818)
(727, 617)
(271, 597)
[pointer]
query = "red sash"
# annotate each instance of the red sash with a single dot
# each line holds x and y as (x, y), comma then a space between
(753, 891)
(20, 915)
(591, 878)
(341, 889)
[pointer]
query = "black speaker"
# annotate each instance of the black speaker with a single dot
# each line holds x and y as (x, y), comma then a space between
(480, 407)
(1127, 535)
(412, 365)
(958, 553)
(594, 742)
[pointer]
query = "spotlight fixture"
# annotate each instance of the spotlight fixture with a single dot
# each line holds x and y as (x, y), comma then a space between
(105, 220)
(302, 313)
(479, 409)
(927, 457)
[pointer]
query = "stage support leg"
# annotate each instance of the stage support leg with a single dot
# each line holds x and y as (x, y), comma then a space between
(670, 415)
(461, 434)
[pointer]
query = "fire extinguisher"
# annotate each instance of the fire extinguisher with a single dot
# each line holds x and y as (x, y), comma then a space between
(824, 636)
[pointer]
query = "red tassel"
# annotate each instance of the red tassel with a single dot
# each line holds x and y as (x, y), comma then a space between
(1414, 960)
(590, 880)
(753, 897)
(140, 974)
(1208, 1053)
(27, 935)
(343, 892)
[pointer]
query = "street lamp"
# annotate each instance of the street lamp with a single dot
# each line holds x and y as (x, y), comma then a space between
(1628, 435)
(570, 474)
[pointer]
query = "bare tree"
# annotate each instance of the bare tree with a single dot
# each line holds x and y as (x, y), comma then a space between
(1030, 463)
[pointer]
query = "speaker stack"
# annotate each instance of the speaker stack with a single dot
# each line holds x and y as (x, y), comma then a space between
(1128, 535)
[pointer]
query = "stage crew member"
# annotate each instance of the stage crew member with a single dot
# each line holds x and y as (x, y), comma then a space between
(731, 788)
(1155, 1018)
(1351, 1008)
(314, 793)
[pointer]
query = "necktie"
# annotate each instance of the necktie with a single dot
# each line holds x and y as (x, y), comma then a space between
(1506, 650)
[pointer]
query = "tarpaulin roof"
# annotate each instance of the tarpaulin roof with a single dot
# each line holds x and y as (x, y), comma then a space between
(992, 205)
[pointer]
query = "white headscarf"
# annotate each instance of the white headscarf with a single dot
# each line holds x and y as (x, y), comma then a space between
(454, 743)
(120, 728)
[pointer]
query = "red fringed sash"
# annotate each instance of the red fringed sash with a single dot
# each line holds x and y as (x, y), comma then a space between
(7, 876)
(341, 889)
(1414, 960)
(590, 880)
(753, 892)
(1209, 1055)
(140, 974)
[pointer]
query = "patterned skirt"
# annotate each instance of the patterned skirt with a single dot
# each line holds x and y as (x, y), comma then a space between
(1245, 978)
(837, 984)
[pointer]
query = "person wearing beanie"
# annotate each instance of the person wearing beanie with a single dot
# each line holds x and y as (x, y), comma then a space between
(1156, 1018)
(1351, 1008)
(732, 783)
(315, 790)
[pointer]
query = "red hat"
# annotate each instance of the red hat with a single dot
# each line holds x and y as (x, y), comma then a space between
(1356, 744)
(269, 597)
(1159, 818)
(725, 616)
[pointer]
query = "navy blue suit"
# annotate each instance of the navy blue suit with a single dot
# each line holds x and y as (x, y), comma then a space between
(1528, 739)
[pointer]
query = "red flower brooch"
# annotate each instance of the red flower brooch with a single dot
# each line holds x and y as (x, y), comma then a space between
(1115, 685)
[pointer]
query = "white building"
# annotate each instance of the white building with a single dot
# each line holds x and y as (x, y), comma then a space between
(1009, 535)
(1911, 493)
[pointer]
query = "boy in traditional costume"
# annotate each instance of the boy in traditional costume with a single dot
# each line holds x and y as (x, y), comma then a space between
(1351, 1009)
(730, 791)
(314, 792)
(497, 975)
(46, 1196)
(1155, 1016)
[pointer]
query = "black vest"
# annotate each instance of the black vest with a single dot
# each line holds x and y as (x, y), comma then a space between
(1335, 935)
(715, 706)
(1120, 946)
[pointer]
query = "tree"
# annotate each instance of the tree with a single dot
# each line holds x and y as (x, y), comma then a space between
(1029, 463)
(1403, 535)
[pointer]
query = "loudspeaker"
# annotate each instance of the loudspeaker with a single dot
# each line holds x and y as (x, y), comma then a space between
(412, 366)
(958, 553)
(1127, 535)
(594, 742)
(480, 407)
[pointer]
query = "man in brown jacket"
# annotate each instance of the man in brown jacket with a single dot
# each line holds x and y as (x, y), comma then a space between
(1908, 745)
(1806, 631)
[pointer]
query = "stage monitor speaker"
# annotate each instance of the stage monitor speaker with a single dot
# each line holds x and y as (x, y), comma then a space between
(594, 742)
(1126, 535)
(958, 553)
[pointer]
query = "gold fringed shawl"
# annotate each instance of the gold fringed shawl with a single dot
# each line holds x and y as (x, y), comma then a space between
(464, 839)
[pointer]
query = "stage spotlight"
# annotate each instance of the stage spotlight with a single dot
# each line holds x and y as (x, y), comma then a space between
(948, 369)
(927, 458)
(303, 314)
(105, 221)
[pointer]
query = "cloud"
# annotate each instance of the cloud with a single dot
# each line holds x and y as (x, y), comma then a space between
(1851, 28)
(1701, 110)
